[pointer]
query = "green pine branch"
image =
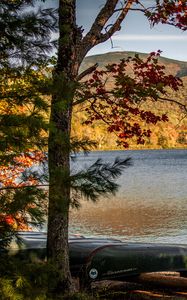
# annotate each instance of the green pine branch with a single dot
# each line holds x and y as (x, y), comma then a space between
(99, 179)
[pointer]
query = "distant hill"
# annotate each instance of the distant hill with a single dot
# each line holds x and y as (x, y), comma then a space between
(174, 67)
(172, 134)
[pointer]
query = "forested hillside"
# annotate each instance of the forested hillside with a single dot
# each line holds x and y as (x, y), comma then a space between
(171, 134)
(175, 67)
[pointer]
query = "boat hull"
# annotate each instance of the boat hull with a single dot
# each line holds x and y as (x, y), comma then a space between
(94, 259)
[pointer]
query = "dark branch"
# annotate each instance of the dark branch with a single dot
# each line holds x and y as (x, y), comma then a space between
(117, 24)
(95, 35)
(87, 71)
(135, 9)
(104, 15)
(175, 102)
(21, 187)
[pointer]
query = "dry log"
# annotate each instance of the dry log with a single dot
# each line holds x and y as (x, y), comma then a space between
(162, 281)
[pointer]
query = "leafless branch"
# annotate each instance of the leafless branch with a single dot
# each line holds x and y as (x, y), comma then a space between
(144, 8)
(117, 24)
(130, 9)
(105, 94)
(95, 35)
(87, 71)
(104, 15)
(174, 101)
(21, 187)
(111, 41)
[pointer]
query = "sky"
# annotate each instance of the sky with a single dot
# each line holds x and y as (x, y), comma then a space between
(135, 34)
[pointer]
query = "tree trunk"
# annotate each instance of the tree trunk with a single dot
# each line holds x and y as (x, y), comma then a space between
(71, 50)
(59, 147)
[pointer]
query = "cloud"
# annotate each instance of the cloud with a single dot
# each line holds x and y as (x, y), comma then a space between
(143, 37)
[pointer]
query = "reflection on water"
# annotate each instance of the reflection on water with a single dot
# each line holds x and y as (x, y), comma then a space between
(151, 204)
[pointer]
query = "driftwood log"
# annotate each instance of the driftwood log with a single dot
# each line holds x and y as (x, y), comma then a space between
(163, 280)
(146, 286)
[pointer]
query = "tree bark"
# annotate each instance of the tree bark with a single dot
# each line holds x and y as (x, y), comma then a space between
(59, 147)
(72, 49)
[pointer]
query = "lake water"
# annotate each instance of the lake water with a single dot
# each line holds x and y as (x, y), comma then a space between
(151, 204)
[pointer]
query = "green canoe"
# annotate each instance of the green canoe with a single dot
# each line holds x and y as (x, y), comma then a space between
(94, 259)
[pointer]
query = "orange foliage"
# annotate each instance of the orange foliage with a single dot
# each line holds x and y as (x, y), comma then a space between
(10, 178)
(10, 174)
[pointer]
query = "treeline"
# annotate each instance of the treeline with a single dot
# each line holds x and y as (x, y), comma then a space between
(171, 134)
